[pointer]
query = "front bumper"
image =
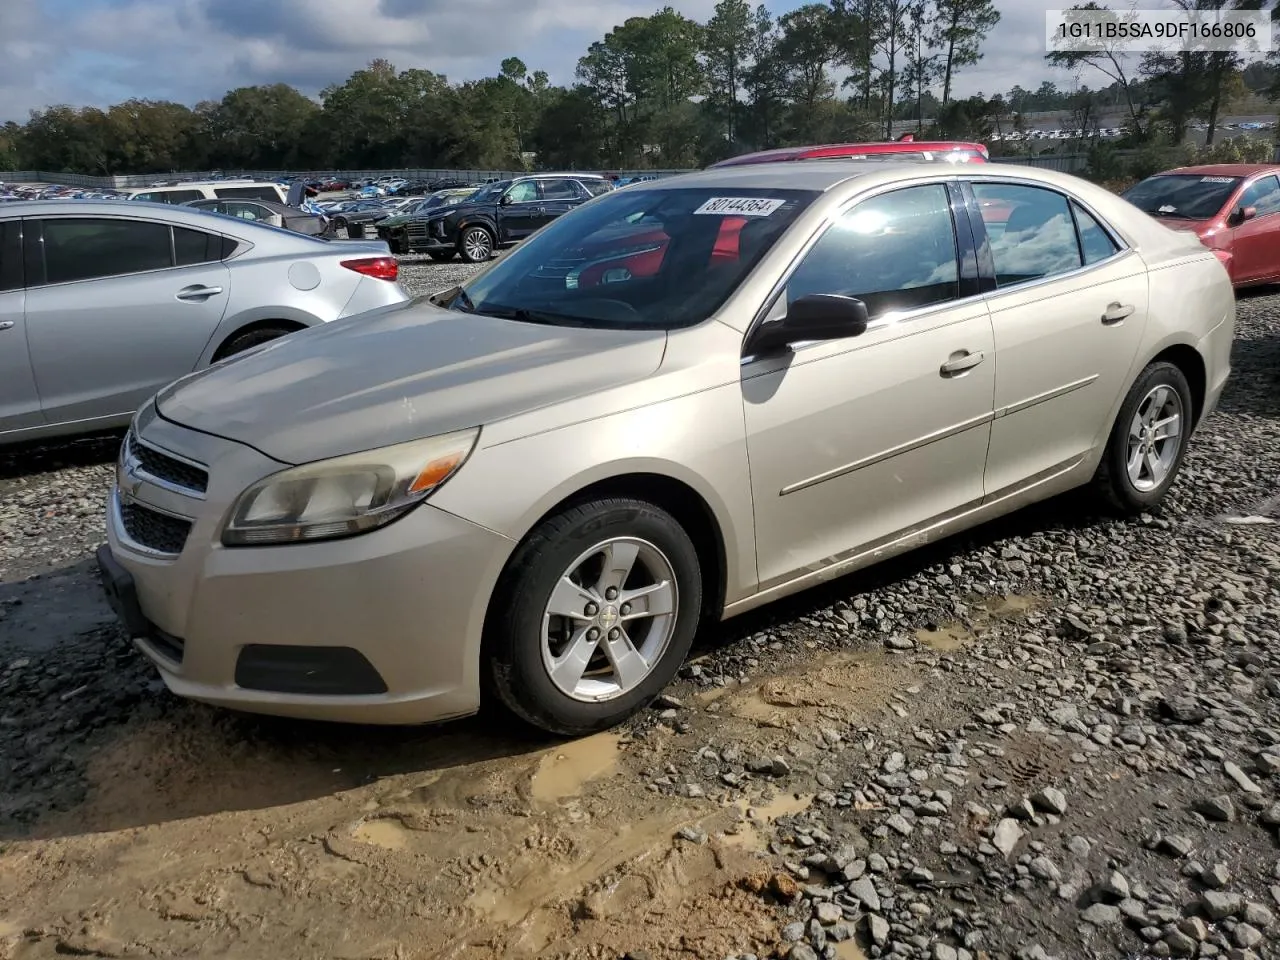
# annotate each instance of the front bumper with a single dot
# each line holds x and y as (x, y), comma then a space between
(379, 628)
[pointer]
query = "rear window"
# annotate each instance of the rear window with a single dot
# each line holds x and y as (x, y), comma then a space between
(1182, 196)
(170, 196)
(247, 193)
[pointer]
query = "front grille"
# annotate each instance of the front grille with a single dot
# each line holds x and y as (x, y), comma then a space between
(164, 467)
(418, 230)
(154, 530)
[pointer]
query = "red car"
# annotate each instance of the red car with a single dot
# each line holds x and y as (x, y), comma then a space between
(1231, 207)
(917, 151)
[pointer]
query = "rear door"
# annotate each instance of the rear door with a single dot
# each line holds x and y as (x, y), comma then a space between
(558, 198)
(1068, 308)
(1255, 244)
(19, 400)
(117, 308)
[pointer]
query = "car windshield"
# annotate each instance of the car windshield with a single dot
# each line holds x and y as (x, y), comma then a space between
(491, 192)
(1184, 196)
(641, 258)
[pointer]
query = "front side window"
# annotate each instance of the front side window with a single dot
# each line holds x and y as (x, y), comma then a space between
(636, 259)
(526, 191)
(1031, 231)
(86, 248)
(1262, 194)
(894, 252)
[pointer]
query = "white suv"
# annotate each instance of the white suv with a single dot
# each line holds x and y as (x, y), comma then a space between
(213, 190)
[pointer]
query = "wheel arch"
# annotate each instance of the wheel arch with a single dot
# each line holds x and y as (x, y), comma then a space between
(677, 497)
(289, 325)
(1187, 359)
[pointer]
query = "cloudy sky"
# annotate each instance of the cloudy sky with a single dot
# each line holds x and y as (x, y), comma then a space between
(101, 51)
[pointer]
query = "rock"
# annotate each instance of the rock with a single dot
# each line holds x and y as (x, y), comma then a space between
(898, 641)
(1101, 914)
(1219, 906)
(1247, 937)
(828, 913)
(692, 834)
(878, 929)
(898, 824)
(1175, 846)
(864, 891)
(1045, 869)
(667, 702)
(1195, 928)
(942, 951)
(1271, 816)
(1180, 945)
(1184, 710)
(1113, 888)
(1219, 809)
(793, 932)
(1259, 915)
(1216, 877)
(801, 951)
(1051, 800)
(1006, 836)
(1240, 777)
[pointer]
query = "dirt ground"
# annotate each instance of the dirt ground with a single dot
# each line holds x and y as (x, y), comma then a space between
(193, 838)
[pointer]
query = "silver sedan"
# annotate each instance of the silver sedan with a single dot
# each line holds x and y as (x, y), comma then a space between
(674, 404)
(102, 302)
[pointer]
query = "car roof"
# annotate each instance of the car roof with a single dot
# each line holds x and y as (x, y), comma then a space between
(143, 209)
(1224, 169)
(831, 150)
(830, 173)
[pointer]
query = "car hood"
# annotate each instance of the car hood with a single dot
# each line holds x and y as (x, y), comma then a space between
(459, 208)
(397, 374)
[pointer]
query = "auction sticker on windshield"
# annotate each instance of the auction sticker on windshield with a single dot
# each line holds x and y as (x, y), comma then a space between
(1217, 179)
(740, 206)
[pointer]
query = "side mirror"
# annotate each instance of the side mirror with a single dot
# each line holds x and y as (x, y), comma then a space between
(1243, 214)
(505, 199)
(818, 316)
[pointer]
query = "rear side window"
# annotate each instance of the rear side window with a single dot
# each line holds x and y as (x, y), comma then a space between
(11, 255)
(195, 246)
(559, 190)
(86, 248)
(1095, 243)
(1031, 231)
(247, 193)
(170, 196)
(596, 187)
(894, 252)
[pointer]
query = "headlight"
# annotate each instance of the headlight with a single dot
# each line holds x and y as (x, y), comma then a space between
(346, 495)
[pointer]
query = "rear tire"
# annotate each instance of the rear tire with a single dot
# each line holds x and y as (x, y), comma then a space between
(627, 628)
(1148, 441)
(241, 342)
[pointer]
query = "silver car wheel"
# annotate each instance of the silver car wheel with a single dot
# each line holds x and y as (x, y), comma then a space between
(610, 619)
(1155, 437)
(477, 245)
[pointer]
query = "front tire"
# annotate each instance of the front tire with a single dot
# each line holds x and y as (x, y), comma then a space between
(1148, 441)
(476, 245)
(593, 616)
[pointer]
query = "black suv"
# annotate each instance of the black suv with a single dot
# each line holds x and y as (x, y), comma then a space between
(500, 214)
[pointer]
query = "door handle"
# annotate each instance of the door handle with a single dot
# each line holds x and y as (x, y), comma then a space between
(6, 324)
(1116, 312)
(540, 210)
(961, 361)
(195, 294)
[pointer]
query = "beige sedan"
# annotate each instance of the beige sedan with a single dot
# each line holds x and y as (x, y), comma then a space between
(683, 400)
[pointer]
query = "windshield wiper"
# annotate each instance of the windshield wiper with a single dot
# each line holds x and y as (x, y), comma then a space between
(521, 315)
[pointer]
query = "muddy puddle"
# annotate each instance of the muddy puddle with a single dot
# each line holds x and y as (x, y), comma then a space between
(566, 769)
(951, 636)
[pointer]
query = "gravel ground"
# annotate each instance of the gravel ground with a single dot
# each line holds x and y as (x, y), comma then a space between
(1056, 737)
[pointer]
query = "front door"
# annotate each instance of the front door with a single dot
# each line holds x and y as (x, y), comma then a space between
(121, 310)
(1255, 244)
(855, 442)
(1069, 310)
(19, 400)
(518, 213)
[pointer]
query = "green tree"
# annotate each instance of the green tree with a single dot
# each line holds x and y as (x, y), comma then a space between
(959, 29)
(727, 44)
(923, 61)
(764, 81)
(807, 48)
(260, 127)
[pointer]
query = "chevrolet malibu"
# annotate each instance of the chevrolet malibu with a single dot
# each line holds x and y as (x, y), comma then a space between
(536, 486)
